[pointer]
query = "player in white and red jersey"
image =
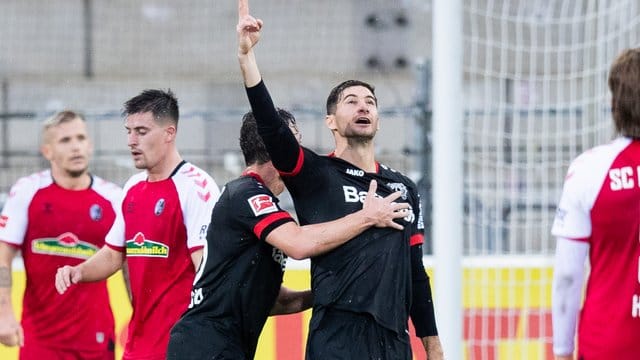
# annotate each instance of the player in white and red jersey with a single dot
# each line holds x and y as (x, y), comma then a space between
(598, 218)
(54, 218)
(160, 228)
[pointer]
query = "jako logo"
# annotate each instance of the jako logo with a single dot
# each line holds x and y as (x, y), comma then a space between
(355, 172)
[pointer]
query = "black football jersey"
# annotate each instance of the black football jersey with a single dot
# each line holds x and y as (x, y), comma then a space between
(240, 276)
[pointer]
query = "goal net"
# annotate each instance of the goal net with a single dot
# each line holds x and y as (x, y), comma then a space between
(536, 97)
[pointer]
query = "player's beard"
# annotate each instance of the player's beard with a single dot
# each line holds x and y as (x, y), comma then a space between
(358, 138)
(77, 173)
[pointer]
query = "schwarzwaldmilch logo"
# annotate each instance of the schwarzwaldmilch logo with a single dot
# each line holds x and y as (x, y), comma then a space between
(66, 244)
(140, 246)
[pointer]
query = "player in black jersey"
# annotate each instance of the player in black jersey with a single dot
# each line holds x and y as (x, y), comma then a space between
(238, 283)
(365, 290)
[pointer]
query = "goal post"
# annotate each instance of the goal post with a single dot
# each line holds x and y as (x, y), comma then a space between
(534, 96)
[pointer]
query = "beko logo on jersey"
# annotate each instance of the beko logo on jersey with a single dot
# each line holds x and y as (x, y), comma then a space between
(352, 195)
(355, 172)
(262, 204)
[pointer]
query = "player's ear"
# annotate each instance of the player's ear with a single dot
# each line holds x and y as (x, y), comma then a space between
(330, 121)
(45, 150)
(170, 132)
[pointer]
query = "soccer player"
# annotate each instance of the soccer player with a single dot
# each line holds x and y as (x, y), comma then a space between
(598, 218)
(365, 290)
(56, 217)
(160, 227)
(248, 241)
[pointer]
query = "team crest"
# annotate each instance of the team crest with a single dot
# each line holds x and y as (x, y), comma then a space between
(95, 212)
(159, 207)
(399, 187)
(262, 204)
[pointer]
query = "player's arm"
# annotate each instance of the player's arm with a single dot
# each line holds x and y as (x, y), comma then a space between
(568, 277)
(292, 301)
(196, 258)
(10, 329)
(282, 145)
(99, 266)
(422, 311)
(301, 242)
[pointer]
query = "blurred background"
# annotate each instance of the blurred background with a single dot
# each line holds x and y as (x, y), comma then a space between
(534, 97)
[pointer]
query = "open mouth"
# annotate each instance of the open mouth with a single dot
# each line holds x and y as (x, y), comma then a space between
(363, 121)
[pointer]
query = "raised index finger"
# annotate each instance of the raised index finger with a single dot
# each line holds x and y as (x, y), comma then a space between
(243, 8)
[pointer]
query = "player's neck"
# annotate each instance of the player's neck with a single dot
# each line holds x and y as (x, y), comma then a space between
(165, 167)
(69, 182)
(361, 156)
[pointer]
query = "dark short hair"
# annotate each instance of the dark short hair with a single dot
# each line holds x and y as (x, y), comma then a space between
(336, 93)
(163, 104)
(251, 143)
(624, 83)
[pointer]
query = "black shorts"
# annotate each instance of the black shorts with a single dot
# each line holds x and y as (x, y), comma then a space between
(337, 334)
(195, 341)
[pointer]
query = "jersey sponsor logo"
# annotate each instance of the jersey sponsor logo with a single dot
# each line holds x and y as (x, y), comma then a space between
(399, 187)
(355, 172)
(352, 195)
(262, 204)
(159, 208)
(95, 212)
(67, 244)
(3, 220)
(140, 246)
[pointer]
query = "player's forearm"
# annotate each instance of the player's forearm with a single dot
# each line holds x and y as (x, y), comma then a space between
(433, 347)
(5, 290)
(7, 253)
(568, 278)
(320, 238)
(101, 265)
(290, 301)
(249, 69)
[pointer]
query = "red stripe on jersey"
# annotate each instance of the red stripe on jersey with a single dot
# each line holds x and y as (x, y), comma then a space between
(10, 244)
(116, 248)
(264, 223)
(195, 248)
(416, 239)
(298, 166)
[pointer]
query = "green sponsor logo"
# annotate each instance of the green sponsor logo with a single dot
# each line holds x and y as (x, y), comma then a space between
(66, 244)
(140, 246)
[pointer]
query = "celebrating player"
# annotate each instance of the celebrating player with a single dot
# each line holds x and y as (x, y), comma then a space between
(365, 290)
(241, 274)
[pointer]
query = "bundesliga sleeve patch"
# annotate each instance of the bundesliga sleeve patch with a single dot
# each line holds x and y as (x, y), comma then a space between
(262, 204)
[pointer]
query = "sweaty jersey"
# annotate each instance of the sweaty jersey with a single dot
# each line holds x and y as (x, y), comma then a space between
(241, 275)
(158, 226)
(372, 273)
(53, 227)
(600, 205)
